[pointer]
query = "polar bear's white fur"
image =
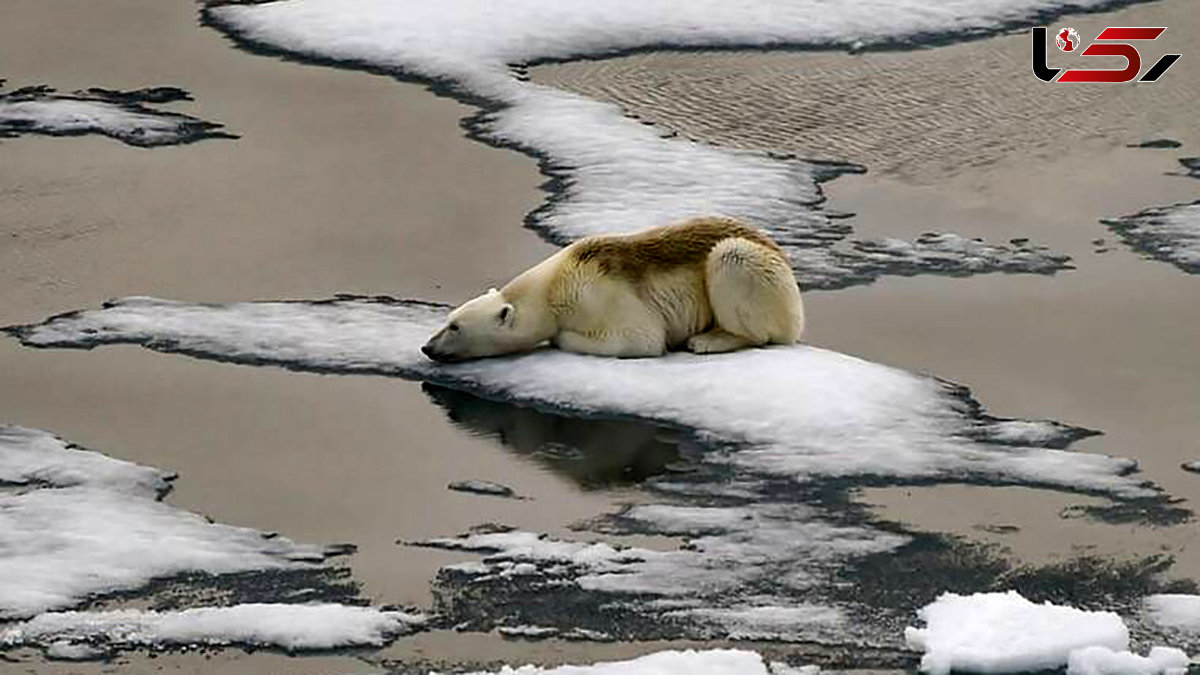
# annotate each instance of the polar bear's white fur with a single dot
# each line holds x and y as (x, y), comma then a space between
(710, 284)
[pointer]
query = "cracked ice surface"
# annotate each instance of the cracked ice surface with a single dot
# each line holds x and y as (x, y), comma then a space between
(79, 524)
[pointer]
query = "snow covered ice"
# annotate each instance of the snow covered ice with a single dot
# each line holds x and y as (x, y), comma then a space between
(613, 174)
(811, 412)
(1176, 611)
(1167, 233)
(77, 524)
(709, 586)
(119, 115)
(1005, 633)
(711, 662)
(1103, 661)
(483, 487)
(287, 627)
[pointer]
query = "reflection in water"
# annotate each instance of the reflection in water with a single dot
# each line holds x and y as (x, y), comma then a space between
(594, 453)
(765, 556)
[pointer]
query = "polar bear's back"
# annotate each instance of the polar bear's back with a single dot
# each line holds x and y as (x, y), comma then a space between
(662, 249)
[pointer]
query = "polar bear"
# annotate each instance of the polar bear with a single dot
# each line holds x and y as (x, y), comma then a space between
(710, 284)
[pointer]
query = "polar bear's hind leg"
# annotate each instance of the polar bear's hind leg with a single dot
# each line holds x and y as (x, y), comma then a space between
(754, 298)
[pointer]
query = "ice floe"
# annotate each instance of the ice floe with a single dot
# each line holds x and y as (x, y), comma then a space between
(688, 583)
(763, 573)
(1157, 144)
(76, 524)
(122, 115)
(1191, 165)
(1005, 633)
(1167, 233)
(1176, 611)
(802, 412)
(483, 487)
(74, 651)
(690, 662)
(288, 627)
(612, 173)
(1098, 660)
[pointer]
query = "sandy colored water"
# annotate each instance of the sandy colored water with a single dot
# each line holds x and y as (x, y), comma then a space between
(340, 182)
(347, 182)
(922, 115)
(964, 139)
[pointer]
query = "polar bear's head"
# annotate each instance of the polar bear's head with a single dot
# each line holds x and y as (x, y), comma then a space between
(482, 327)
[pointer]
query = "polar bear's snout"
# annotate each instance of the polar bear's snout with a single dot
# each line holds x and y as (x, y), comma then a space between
(431, 350)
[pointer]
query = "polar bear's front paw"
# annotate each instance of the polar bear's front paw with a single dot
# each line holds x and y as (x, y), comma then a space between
(715, 342)
(699, 344)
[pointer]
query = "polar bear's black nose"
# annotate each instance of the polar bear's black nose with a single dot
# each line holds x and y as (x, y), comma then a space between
(438, 356)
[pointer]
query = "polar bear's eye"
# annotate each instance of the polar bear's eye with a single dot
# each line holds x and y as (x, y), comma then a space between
(454, 327)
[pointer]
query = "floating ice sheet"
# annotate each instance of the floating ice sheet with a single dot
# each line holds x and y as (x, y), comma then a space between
(1157, 144)
(800, 411)
(1167, 233)
(753, 580)
(1191, 165)
(1005, 633)
(612, 173)
(483, 487)
(287, 627)
(116, 114)
(77, 524)
(1176, 611)
(726, 584)
(1103, 661)
(712, 662)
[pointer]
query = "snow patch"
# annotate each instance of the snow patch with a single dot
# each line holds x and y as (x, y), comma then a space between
(67, 651)
(1176, 611)
(1167, 233)
(81, 524)
(1005, 633)
(36, 458)
(528, 632)
(287, 627)
(483, 487)
(712, 662)
(1103, 661)
(119, 115)
(745, 578)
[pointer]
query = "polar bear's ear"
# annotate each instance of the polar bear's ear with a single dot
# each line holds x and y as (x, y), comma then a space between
(492, 291)
(505, 315)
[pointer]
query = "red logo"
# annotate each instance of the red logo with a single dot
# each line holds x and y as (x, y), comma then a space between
(1112, 41)
(1067, 39)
